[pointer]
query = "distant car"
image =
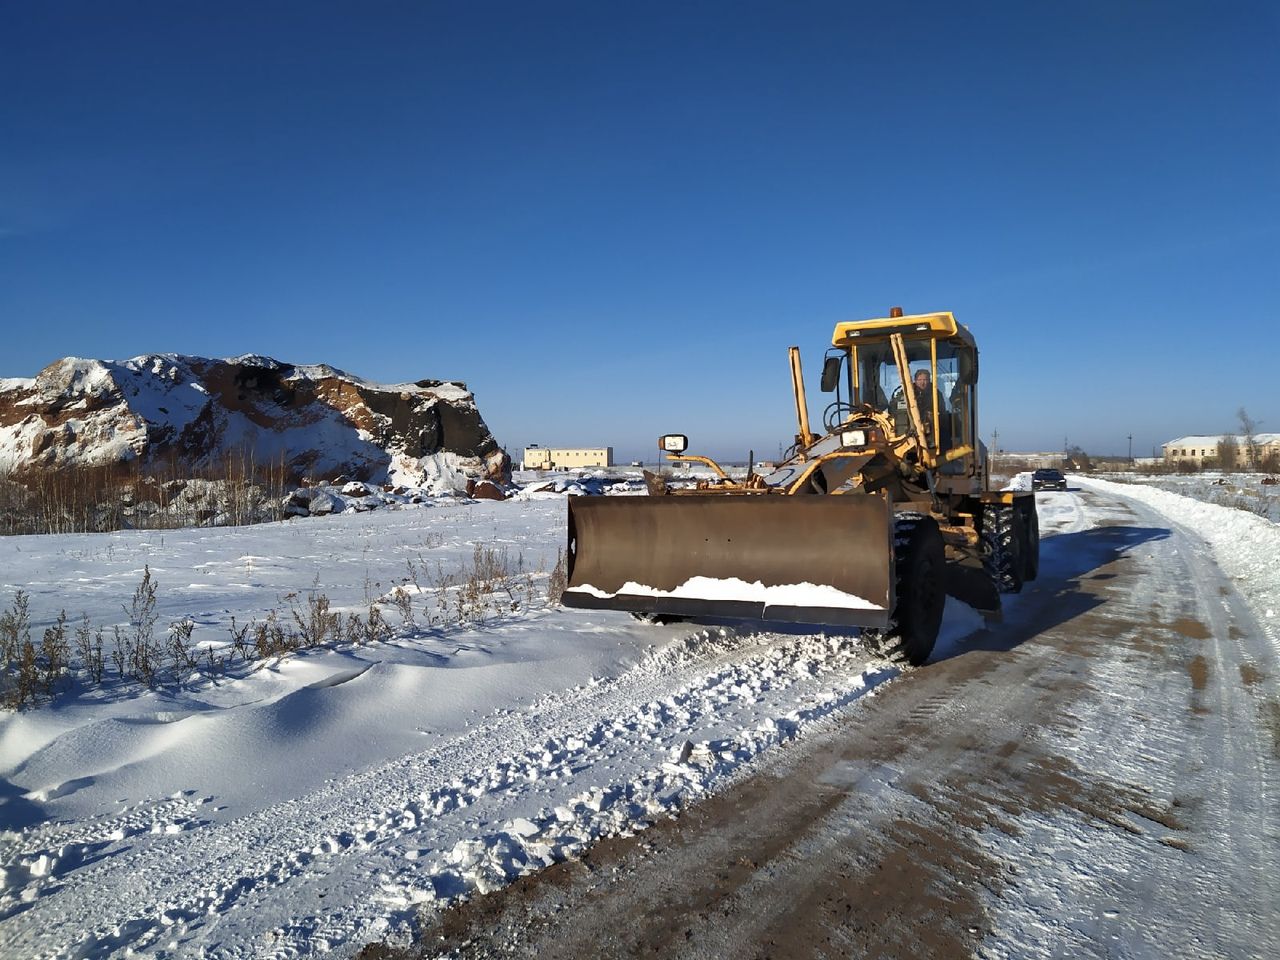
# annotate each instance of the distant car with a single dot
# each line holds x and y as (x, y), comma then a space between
(1048, 480)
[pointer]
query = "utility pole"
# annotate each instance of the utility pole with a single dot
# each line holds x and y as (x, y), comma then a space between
(1131, 448)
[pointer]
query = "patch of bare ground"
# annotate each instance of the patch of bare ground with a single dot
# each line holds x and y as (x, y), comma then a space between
(1250, 675)
(1198, 668)
(1192, 628)
(1271, 718)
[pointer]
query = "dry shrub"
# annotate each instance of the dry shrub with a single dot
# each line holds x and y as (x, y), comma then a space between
(316, 623)
(559, 579)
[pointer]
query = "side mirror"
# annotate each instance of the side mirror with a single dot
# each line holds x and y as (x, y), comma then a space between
(830, 373)
(673, 443)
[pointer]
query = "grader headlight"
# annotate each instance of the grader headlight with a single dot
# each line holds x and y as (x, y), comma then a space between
(861, 437)
(853, 438)
(673, 443)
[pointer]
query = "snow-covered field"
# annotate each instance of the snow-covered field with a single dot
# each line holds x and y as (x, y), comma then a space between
(1244, 491)
(320, 800)
(323, 800)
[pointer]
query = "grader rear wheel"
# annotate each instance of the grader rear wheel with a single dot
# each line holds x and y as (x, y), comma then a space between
(1031, 553)
(1004, 536)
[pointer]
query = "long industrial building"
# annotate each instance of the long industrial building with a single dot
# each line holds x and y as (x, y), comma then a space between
(566, 458)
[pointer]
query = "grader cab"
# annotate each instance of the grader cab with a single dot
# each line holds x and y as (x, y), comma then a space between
(870, 523)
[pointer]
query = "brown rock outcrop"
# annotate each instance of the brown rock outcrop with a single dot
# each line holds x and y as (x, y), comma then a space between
(196, 414)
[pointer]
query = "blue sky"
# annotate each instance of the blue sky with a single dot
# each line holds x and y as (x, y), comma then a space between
(612, 219)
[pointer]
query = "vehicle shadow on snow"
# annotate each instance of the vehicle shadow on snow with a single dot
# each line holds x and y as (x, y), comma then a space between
(1058, 593)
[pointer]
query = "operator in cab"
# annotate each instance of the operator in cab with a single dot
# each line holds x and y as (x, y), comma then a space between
(925, 394)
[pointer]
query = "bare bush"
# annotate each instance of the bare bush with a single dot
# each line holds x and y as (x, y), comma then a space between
(17, 654)
(559, 579)
(185, 657)
(119, 656)
(55, 653)
(272, 638)
(141, 654)
(89, 649)
(240, 643)
(26, 677)
(316, 624)
(491, 583)
(376, 628)
(141, 610)
(214, 664)
(15, 627)
(353, 628)
(402, 599)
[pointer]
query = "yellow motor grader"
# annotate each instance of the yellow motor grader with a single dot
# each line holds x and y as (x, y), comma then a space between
(870, 523)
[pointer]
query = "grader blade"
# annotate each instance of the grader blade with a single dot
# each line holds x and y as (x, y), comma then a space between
(803, 559)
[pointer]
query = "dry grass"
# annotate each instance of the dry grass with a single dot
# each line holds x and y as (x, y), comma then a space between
(490, 584)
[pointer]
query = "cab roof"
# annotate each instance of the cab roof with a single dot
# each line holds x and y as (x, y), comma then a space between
(917, 326)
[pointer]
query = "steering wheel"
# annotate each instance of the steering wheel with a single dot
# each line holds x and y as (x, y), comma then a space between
(836, 413)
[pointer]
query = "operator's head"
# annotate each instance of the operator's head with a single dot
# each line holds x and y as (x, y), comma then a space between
(922, 379)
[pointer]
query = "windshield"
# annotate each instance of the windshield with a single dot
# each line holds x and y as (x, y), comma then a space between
(941, 391)
(878, 379)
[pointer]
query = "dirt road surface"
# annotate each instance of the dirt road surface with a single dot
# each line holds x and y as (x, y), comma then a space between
(1096, 776)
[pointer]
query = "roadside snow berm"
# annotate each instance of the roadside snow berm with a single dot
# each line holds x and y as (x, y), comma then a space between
(870, 524)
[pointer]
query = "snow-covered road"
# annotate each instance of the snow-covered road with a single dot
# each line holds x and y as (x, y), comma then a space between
(1096, 776)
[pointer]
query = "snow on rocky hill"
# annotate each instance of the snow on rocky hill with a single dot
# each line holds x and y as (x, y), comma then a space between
(317, 421)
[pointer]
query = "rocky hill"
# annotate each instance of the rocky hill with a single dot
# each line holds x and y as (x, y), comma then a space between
(193, 414)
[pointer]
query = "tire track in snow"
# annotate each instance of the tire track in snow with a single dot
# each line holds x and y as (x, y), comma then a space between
(212, 888)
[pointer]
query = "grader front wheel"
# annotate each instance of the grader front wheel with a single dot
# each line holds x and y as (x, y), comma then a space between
(919, 562)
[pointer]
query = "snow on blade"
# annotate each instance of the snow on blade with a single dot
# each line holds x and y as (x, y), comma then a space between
(732, 588)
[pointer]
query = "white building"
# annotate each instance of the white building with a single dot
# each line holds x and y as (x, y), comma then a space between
(566, 458)
(1198, 449)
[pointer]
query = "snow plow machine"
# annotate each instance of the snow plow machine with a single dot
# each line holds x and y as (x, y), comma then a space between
(869, 524)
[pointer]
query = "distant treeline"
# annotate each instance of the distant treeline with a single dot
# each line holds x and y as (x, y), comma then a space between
(134, 495)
